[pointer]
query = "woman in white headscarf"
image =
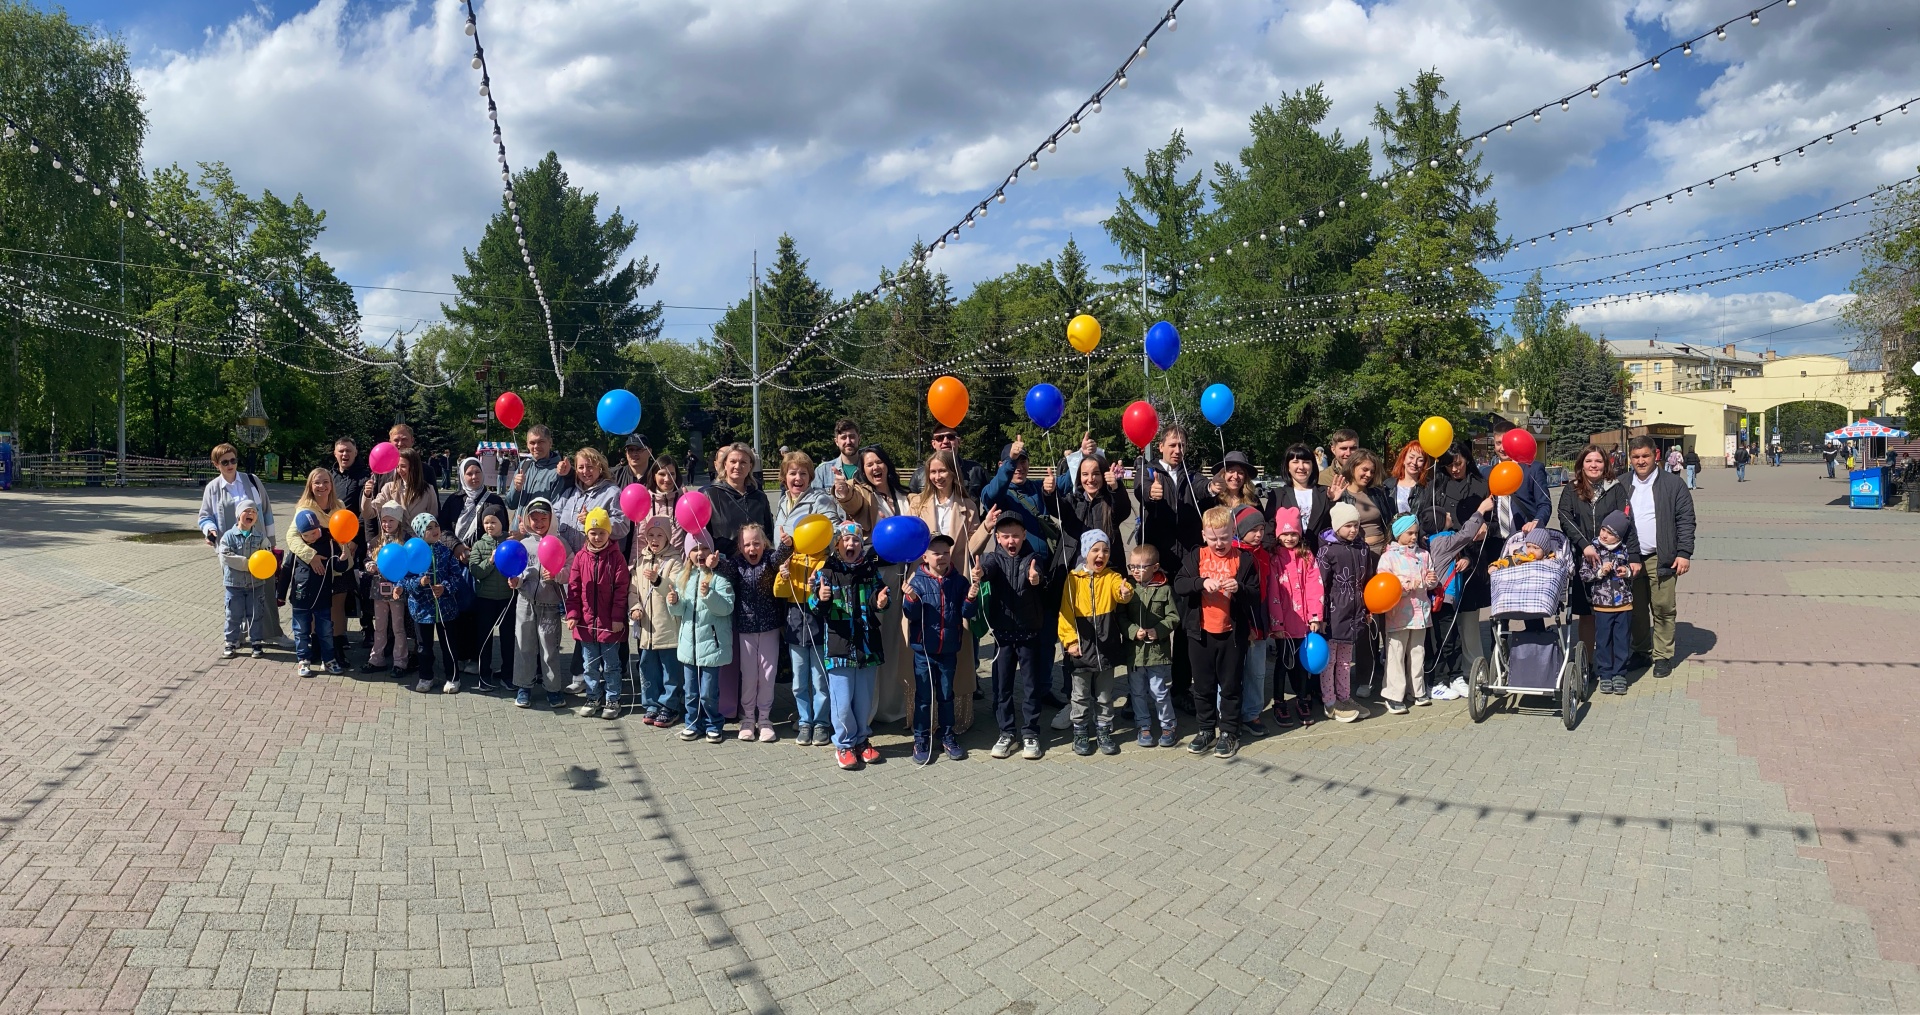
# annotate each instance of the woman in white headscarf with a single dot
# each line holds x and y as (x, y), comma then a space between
(460, 528)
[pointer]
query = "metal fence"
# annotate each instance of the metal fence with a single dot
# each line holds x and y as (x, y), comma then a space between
(97, 467)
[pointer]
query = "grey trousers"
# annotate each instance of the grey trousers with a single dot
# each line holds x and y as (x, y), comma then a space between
(537, 641)
(1092, 692)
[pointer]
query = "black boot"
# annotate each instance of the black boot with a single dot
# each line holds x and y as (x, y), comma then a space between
(1082, 744)
(1104, 734)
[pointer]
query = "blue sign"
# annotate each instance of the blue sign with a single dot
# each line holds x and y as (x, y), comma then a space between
(1867, 487)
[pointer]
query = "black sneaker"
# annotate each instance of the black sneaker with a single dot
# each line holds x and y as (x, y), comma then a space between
(1201, 743)
(257, 653)
(1082, 744)
(1227, 747)
(1104, 735)
(1284, 717)
(1662, 669)
(1255, 728)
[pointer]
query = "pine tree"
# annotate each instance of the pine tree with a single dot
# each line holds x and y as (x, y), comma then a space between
(1588, 400)
(1161, 215)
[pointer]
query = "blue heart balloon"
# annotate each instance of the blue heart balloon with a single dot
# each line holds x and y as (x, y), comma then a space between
(510, 559)
(1045, 404)
(1163, 345)
(392, 562)
(901, 538)
(619, 411)
(419, 556)
(1313, 653)
(1216, 403)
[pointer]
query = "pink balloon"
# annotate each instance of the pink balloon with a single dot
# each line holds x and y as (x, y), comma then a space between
(692, 511)
(384, 457)
(635, 501)
(553, 554)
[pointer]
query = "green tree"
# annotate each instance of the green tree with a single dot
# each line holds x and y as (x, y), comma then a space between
(1589, 398)
(1426, 348)
(1546, 346)
(799, 404)
(1162, 215)
(1886, 310)
(594, 296)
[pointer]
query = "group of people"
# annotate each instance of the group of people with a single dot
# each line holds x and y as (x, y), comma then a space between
(1090, 580)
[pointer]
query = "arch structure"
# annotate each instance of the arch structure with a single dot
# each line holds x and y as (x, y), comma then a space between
(1717, 418)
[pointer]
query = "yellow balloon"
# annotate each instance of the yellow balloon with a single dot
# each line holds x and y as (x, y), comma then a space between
(1084, 333)
(1436, 436)
(262, 564)
(812, 535)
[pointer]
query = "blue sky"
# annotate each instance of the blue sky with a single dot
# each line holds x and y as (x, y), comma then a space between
(857, 126)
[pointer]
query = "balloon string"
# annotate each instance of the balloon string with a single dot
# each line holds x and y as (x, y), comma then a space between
(1089, 383)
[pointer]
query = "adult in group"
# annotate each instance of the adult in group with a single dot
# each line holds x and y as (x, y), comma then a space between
(1343, 443)
(636, 462)
(350, 476)
(663, 492)
(972, 474)
(1662, 514)
(408, 488)
(1304, 493)
(799, 497)
(1359, 484)
(321, 497)
(1457, 479)
(873, 493)
(400, 436)
(950, 511)
(1232, 484)
(1584, 504)
(1173, 497)
(845, 465)
(543, 474)
(1097, 500)
(219, 503)
(593, 487)
(1013, 492)
(461, 525)
(1411, 491)
(737, 498)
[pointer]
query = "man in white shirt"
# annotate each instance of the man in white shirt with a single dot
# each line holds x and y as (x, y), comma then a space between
(1661, 508)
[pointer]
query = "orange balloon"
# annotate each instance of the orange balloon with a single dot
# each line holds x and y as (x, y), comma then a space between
(1504, 479)
(1383, 593)
(343, 526)
(947, 400)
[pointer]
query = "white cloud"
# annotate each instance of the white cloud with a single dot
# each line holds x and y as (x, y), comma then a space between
(1754, 321)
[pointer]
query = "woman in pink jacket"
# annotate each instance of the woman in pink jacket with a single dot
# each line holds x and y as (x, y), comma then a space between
(1294, 610)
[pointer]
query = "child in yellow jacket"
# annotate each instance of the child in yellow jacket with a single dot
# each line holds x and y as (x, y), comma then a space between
(1093, 631)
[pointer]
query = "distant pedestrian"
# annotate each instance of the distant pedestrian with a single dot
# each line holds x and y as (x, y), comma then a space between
(1741, 456)
(1692, 461)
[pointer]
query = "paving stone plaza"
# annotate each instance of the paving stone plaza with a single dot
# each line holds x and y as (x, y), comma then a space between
(183, 834)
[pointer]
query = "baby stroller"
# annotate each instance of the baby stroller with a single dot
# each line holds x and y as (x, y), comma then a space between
(1537, 660)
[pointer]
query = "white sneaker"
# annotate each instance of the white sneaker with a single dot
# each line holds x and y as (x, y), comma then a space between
(1459, 687)
(1063, 718)
(585, 711)
(1442, 692)
(577, 687)
(450, 687)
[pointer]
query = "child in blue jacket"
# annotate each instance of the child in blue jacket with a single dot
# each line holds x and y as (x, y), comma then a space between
(434, 600)
(939, 601)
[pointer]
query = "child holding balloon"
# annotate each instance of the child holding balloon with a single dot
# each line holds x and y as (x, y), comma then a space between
(1152, 619)
(389, 613)
(433, 601)
(1219, 587)
(318, 564)
(492, 596)
(1406, 624)
(542, 587)
(1295, 612)
(849, 597)
(246, 590)
(659, 567)
(703, 603)
(597, 586)
(1345, 565)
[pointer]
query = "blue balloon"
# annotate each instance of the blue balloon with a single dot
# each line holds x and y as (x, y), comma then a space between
(510, 558)
(392, 562)
(619, 411)
(1313, 653)
(1045, 403)
(1216, 403)
(901, 538)
(419, 556)
(1163, 345)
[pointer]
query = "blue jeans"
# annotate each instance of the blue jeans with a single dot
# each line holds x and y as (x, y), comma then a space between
(601, 660)
(313, 634)
(1693, 473)
(662, 683)
(246, 613)
(1150, 688)
(1612, 643)
(1740, 473)
(703, 698)
(810, 706)
(1829, 468)
(933, 677)
(852, 693)
(1253, 680)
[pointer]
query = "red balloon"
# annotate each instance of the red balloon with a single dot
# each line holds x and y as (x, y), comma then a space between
(509, 409)
(1519, 445)
(1140, 422)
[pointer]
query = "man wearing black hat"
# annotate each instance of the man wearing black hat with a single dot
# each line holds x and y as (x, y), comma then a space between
(972, 474)
(638, 462)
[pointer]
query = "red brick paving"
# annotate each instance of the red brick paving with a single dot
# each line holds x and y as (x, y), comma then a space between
(115, 774)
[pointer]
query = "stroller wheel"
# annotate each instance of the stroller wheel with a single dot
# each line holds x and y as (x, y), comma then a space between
(1571, 683)
(1479, 701)
(1583, 679)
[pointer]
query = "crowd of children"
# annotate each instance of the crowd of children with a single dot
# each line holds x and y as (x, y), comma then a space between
(1216, 598)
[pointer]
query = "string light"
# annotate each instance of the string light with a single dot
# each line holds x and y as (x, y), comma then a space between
(513, 206)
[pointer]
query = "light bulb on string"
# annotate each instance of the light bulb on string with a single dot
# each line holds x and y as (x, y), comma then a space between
(1720, 33)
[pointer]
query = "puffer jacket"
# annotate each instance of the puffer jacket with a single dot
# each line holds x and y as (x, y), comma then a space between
(1017, 613)
(316, 572)
(1345, 567)
(597, 590)
(815, 501)
(488, 582)
(1614, 590)
(855, 632)
(1152, 610)
(606, 496)
(937, 623)
(1301, 602)
(1091, 617)
(656, 627)
(1263, 565)
(706, 622)
(422, 605)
